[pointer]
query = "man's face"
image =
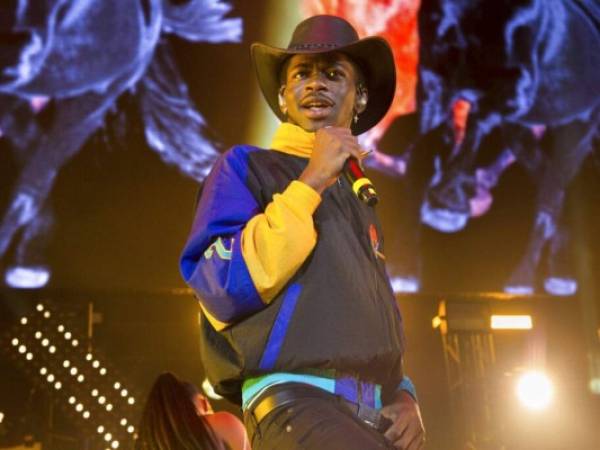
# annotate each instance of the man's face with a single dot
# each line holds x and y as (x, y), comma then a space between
(319, 91)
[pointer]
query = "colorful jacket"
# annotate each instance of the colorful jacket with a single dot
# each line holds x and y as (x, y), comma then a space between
(333, 310)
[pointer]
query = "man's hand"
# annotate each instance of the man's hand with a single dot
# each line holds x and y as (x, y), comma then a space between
(333, 145)
(406, 431)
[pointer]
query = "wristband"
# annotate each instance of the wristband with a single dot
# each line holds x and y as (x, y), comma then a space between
(407, 385)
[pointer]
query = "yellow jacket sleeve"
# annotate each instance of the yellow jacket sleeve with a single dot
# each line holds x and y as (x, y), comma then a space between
(277, 242)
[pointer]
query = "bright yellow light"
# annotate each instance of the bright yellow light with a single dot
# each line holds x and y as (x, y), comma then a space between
(436, 322)
(506, 322)
(535, 390)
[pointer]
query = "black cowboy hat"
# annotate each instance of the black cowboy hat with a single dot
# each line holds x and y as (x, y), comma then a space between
(321, 34)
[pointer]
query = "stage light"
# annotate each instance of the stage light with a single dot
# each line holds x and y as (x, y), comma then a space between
(130, 429)
(14, 342)
(67, 335)
(117, 385)
(107, 437)
(96, 364)
(52, 349)
(61, 328)
(1, 417)
(72, 400)
(131, 400)
(79, 407)
(66, 363)
(38, 334)
(23, 320)
(74, 342)
(29, 356)
(27, 277)
(124, 393)
(404, 285)
(86, 414)
(88, 357)
(109, 407)
(58, 385)
(94, 392)
(102, 371)
(45, 342)
(47, 314)
(511, 322)
(39, 307)
(102, 399)
(80, 378)
(50, 378)
(43, 371)
(100, 429)
(115, 444)
(73, 371)
(22, 349)
(123, 422)
(535, 390)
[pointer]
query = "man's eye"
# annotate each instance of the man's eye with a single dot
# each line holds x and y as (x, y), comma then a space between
(299, 75)
(333, 74)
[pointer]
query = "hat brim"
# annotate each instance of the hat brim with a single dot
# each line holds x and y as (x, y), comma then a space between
(372, 54)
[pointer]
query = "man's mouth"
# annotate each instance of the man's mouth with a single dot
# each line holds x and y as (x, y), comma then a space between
(317, 107)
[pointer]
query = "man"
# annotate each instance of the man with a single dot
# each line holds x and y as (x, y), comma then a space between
(301, 325)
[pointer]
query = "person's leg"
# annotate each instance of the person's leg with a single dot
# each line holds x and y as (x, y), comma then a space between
(313, 423)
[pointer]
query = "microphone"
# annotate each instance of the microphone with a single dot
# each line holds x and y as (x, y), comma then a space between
(361, 185)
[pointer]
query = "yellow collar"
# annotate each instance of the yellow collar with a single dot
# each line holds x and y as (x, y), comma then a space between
(293, 140)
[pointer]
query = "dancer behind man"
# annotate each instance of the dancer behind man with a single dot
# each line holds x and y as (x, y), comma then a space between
(301, 326)
(177, 416)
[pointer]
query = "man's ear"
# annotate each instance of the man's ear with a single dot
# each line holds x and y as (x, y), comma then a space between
(281, 98)
(362, 97)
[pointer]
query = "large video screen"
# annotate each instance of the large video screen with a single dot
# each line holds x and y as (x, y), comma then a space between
(113, 113)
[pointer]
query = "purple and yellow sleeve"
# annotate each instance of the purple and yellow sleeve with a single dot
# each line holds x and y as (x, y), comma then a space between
(238, 257)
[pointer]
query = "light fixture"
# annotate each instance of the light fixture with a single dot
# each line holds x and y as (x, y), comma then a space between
(534, 390)
(511, 322)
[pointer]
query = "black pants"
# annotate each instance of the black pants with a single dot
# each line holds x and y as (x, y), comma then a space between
(318, 423)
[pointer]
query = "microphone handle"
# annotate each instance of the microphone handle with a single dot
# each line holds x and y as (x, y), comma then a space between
(361, 185)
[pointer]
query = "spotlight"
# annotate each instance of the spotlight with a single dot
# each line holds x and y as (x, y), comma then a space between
(57, 385)
(130, 429)
(100, 429)
(102, 399)
(45, 342)
(39, 307)
(109, 407)
(23, 320)
(96, 364)
(88, 357)
(107, 437)
(29, 356)
(94, 392)
(43, 371)
(47, 314)
(38, 334)
(115, 444)
(67, 335)
(1, 417)
(74, 342)
(80, 378)
(14, 342)
(66, 363)
(123, 422)
(117, 385)
(52, 349)
(22, 349)
(131, 400)
(61, 328)
(73, 371)
(86, 414)
(124, 393)
(535, 390)
(79, 407)
(72, 400)
(102, 371)
(50, 378)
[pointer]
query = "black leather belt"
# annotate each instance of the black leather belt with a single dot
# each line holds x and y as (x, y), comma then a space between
(268, 402)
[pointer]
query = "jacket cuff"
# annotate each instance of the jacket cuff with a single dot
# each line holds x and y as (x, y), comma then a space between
(302, 194)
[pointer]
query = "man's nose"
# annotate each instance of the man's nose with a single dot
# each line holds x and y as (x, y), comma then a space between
(316, 81)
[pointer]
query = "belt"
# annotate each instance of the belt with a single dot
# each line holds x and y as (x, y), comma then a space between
(269, 401)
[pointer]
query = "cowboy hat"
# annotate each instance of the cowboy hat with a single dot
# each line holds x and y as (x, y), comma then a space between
(322, 34)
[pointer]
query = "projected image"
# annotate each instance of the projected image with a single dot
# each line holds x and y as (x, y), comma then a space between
(514, 80)
(64, 64)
